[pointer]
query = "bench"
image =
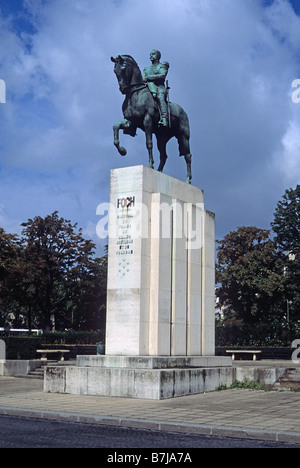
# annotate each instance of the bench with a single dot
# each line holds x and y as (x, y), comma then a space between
(234, 352)
(45, 352)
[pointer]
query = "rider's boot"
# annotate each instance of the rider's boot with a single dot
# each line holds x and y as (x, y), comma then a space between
(164, 121)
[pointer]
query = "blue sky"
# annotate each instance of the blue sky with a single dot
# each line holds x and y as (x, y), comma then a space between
(232, 63)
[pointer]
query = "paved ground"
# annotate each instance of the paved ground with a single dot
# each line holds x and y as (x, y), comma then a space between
(19, 432)
(272, 416)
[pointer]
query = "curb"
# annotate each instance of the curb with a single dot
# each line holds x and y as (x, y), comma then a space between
(201, 429)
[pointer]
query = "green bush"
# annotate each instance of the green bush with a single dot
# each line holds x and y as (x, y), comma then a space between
(24, 347)
(262, 334)
(72, 337)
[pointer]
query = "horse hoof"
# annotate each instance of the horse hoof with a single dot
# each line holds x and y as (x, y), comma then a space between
(122, 151)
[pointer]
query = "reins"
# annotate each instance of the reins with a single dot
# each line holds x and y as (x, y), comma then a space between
(139, 87)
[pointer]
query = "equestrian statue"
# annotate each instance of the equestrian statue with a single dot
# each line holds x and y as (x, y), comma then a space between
(147, 107)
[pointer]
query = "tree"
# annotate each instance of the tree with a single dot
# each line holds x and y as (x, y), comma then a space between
(9, 257)
(62, 272)
(286, 226)
(89, 305)
(9, 250)
(250, 275)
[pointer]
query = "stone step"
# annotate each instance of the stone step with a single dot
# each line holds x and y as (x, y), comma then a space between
(293, 375)
(30, 376)
(35, 374)
(290, 379)
(38, 373)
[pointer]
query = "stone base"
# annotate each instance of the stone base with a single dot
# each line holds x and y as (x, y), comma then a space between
(146, 377)
(153, 362)
(10, 368)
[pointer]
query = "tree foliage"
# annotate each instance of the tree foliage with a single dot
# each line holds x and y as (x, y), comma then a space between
(53, 274)
(260, 277)
(250, 273)
(9, 261)
(286, 226)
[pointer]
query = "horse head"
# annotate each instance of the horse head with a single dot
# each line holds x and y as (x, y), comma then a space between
(127, 72)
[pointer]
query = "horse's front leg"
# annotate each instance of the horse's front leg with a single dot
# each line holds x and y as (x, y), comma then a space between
(122, 125)
(161, 145)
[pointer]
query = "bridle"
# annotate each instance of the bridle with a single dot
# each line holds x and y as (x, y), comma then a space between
(130, 89)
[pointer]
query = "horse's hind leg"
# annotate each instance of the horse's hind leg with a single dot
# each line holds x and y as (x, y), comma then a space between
(149, 139)
(188, 160)
(161, 145)
(184, 150)
(149, 144)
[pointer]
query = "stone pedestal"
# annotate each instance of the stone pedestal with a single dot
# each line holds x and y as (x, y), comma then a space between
(161, 265)
(160, 296)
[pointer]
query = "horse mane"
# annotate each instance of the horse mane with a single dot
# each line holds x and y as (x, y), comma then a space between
(131, 59)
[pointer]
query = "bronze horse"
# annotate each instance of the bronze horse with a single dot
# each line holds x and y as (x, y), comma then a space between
(141, 111)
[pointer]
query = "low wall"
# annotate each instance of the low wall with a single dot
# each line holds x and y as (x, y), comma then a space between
(263, 375)
(10, 368)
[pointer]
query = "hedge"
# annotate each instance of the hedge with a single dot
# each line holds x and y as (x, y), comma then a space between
(24, 347)
(263, 334)
(276, 353)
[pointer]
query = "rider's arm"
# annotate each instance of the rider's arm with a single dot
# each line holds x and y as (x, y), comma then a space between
(163, 71)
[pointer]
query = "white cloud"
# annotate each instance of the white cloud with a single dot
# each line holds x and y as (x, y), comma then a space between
(231, 67)
(288, 159)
